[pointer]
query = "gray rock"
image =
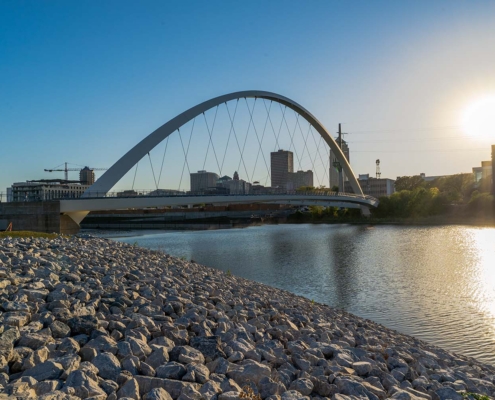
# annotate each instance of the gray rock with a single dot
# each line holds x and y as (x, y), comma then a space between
(157, 394)
(84, 324)
(362, 368)
(303, 386)
(35, 340)
(108, 366)
(188, 355)
(293, 395)
(158, 357)
(448, 393)
(173, 387)
(129, 390)
(230, 396)
(7, 339)
(82, 386)
(196, 373)
(268, 387)
(189, 393)
(210, 347)
(250, 372)
(171, 370)
(45, 371)
(146, 369)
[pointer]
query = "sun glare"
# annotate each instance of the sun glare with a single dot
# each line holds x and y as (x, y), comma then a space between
(479, 118)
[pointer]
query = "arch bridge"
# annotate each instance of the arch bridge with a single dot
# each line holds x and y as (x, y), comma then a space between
(99, 197)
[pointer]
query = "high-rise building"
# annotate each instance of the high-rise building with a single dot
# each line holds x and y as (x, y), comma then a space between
(299, 179)
(334, 172)
(203, 180)
(87, 176)
(282, 162)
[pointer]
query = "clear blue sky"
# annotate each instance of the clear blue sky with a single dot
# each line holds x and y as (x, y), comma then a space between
(85, 81)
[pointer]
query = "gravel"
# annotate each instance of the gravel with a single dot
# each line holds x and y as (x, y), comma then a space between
(83, 317)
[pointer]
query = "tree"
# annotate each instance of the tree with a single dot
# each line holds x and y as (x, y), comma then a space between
(409, 183)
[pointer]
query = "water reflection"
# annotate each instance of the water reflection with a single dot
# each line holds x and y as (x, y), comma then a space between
(437, 283)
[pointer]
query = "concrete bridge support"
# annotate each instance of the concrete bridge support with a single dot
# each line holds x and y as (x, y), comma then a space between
(42, 216)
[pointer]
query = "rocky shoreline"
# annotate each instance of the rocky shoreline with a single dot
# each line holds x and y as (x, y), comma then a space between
(84, 317)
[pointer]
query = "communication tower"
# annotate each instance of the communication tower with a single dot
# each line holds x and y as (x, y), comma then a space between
(378, 173)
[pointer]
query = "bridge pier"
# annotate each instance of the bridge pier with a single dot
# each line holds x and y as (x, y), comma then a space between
(43, 216)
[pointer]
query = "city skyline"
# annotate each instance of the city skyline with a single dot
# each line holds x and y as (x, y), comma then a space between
(85, 84)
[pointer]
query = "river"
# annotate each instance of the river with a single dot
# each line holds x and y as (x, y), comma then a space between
(435, 283)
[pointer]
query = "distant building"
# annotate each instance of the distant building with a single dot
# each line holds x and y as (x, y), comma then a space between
(238, 186)
(203, 180)
(376, 187)
(430, 178)
(43, 191)
(295, 180)
(87, 176)
(224, 178)
(234, 186)
(282, 162)
(334, 172)
(483, 176)
(9, 195)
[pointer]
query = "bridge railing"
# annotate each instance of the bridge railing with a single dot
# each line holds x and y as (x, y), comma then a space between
(166, 193)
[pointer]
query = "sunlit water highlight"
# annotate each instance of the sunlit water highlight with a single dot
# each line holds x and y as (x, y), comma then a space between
(436, 283)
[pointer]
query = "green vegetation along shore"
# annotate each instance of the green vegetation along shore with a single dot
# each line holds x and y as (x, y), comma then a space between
(454, 199)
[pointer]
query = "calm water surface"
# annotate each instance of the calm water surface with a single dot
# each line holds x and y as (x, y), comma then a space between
(436, 283)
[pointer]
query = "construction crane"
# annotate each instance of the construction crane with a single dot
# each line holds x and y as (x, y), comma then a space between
(66, 170)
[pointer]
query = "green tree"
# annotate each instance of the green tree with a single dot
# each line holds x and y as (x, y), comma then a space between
(409, 183)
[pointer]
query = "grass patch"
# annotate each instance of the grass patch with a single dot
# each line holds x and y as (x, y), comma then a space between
(26, 234)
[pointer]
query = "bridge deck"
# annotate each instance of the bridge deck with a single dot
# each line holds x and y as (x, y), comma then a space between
(116, 203)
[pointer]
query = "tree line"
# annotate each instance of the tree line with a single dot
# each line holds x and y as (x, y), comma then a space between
(455, 194)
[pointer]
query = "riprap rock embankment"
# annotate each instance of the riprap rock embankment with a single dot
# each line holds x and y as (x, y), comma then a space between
(92, 318)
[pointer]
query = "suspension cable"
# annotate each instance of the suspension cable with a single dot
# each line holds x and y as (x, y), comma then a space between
(210, 133)
(163, 159)
(152, 170)
(230, 132)
(135, 173)
(291, 136)
(271, 123)
(185, 152)
(247, 132)
(260, 142)
(280, 127)
(238, 146)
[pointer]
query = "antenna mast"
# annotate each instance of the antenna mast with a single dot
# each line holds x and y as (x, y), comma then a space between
(378, 173)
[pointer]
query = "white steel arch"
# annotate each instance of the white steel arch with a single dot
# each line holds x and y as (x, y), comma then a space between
(105, 183)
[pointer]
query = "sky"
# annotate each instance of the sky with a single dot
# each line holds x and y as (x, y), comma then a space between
(83, 82)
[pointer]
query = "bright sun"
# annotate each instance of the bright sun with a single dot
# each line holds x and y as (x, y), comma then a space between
(479, 118)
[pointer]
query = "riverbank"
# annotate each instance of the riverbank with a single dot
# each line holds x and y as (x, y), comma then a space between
(87, 317)
(436, 220)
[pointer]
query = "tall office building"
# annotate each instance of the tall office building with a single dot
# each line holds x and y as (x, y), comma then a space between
(87, 176)
(334, 173)
(203, 180)
(282, 162)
